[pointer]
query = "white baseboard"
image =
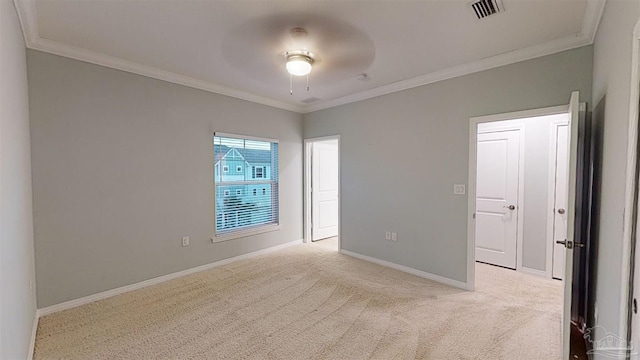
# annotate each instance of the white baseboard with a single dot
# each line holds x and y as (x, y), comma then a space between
(534, 272)
(412, 271)
(34, 329)
(139, 285)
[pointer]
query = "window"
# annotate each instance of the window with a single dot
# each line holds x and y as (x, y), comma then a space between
(245, 211)
(258, 172)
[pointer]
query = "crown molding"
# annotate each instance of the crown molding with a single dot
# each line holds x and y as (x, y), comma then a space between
(592, 16)
(28, 20)
(511, 57)
(27, 15)
(57, 48)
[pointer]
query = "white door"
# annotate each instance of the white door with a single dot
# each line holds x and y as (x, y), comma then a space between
(497, 172)
(635, 319)
(571, 206)
(560, 200)
(324, 190)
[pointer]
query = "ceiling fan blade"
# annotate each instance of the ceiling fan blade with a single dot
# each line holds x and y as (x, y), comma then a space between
(257, 48)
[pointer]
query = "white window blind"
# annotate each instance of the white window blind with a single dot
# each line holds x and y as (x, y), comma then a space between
(245, 201)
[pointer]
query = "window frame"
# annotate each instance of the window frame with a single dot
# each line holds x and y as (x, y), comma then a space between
(258, 229)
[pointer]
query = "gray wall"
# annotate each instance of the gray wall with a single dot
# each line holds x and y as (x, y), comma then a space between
(537, 132)
(401, 154)
(122, 168)
(611, 74)
(17, 300)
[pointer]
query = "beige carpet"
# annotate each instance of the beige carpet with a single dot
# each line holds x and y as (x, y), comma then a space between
(309, 302)
(328, 243)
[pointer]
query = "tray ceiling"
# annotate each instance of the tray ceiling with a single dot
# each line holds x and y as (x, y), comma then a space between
(235, 47)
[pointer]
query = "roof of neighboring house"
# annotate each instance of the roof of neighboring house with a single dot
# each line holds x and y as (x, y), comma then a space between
(252, 156)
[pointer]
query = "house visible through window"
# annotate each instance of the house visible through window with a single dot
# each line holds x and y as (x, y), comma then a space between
(258, 172)
(256, 165)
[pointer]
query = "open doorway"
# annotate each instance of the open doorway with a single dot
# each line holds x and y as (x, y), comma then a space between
(322, 192)
(521, 193)
(504, 208)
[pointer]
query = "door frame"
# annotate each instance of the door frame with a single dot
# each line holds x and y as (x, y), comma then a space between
(630, 212)
(308, 143)
(471, 206)
(499, 127)
(553, 152)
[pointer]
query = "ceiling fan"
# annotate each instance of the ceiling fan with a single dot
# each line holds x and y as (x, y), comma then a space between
(299, 62)
(333, 50)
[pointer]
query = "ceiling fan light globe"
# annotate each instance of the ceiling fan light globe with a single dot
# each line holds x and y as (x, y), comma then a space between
(298, 66)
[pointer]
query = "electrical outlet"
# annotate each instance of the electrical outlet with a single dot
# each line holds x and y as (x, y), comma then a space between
(387, 235)
(185, 241)
(394, 236)
(458, 189)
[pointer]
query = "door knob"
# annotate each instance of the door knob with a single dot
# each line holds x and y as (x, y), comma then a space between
(570, 244)
(510, 207)
(567, 243)
(560, 211)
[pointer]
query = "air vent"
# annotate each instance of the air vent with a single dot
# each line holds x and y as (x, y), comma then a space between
(484, 8)
(310, 100)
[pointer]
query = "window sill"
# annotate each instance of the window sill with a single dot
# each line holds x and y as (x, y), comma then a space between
(244, 233)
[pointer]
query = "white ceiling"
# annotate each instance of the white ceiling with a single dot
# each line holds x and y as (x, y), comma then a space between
(235, 47)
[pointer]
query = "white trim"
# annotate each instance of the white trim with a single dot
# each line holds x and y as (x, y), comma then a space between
(56, 48)
(534, 272)
(499, 126)
(406, 269)
(34, 330)
(243, 137)
(471, 206)
(28, 20)
(549, 48)
(552, 110)
(630, 188)
(139, 285)
(236, 234)
(592, 16)
(551, 192)
(307, 149)
(471, 203)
